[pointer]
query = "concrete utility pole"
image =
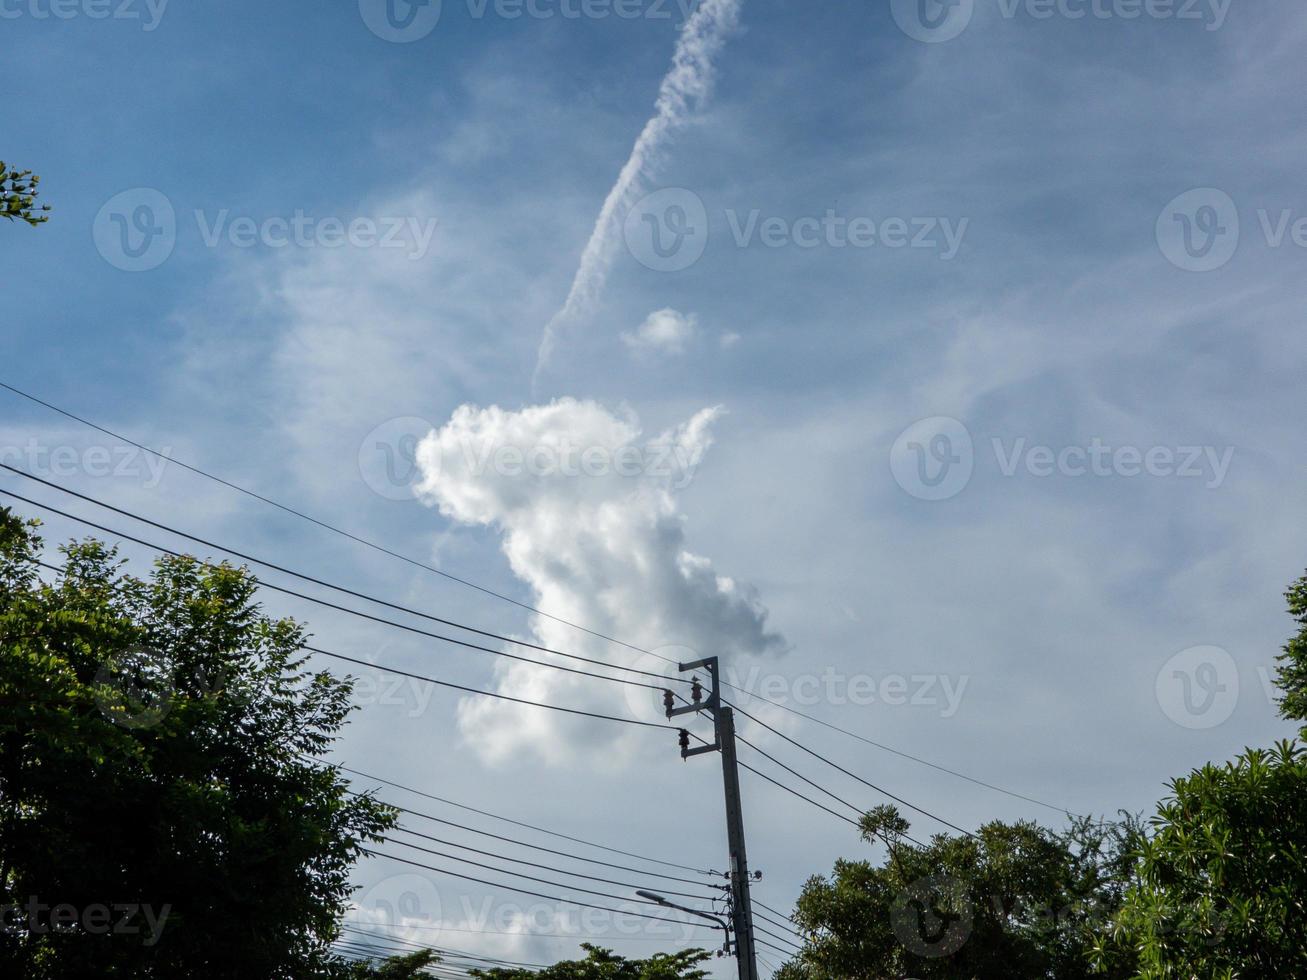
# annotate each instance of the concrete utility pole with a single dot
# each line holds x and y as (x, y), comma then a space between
(724, 729)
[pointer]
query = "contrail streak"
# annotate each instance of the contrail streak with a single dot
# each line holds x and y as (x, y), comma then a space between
(684, 88)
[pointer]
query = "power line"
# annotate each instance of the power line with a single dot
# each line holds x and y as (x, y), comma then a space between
(780, 925)
(771, 910)
(519, 823)
(331, 605)
(780, 939)
(900, 754)
(511, 874)
(795, 792)
(772, 946)
(55, 569)
(488, 694)
(313, 520)
(447, 639)
(444, 951)
(817, 755)
(838, 799)
(523, 891)
(454, 578)
(317, 581)
(547, 867)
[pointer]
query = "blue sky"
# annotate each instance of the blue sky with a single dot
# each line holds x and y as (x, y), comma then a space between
(1067, 311)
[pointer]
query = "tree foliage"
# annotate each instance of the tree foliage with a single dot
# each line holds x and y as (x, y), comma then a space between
(1223, 875)
(18, 193)
(603, 964)
(1292, 674)
(155, 738)
(409, 967)
(1017, 900)
(1223, 890)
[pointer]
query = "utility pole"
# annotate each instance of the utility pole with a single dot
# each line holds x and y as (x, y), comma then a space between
(724, 742)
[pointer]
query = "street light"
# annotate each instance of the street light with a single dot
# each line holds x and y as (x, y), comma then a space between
(726, 949)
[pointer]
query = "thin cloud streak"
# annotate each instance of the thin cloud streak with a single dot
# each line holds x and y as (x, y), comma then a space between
(684, 88)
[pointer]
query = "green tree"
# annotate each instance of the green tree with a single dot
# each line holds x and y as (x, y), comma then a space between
(1292, 674)
(18, 193)
(409, 967)
(159, 816)
(1223, 876)
(1017, 900)
(602, 964)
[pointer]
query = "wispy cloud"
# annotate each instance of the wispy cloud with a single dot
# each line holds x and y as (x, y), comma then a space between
(683, 89)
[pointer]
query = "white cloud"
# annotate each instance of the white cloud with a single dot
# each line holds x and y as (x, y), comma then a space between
(667, 331)
(587, 509)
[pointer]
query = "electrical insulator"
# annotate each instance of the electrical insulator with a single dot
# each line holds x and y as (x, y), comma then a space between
(685, 741)
(696, 690)
(668, 702)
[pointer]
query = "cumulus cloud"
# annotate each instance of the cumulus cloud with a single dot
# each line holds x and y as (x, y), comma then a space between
(587, 509)
(664, 331)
